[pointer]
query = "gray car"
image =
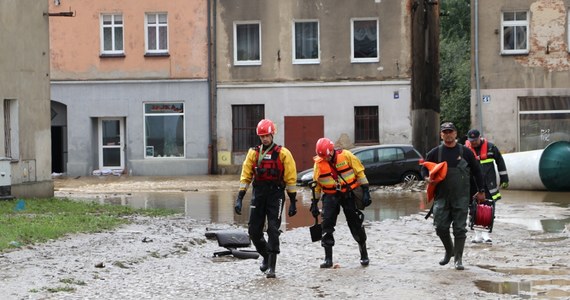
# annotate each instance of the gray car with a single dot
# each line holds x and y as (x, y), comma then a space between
(384, 164)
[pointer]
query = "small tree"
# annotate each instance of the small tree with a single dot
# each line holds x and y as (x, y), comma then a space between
(455, 60)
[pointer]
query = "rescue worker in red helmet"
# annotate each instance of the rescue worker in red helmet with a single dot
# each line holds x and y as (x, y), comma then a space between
(271, 170)
(336, 172)
(488, 154)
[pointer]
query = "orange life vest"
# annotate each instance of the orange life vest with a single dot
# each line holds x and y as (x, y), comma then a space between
(336, 179)
(484, 149)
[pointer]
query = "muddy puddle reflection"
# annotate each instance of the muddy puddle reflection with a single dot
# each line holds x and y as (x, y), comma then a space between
(518, 207)
(531, 289)
(217, 206)
(523, 210)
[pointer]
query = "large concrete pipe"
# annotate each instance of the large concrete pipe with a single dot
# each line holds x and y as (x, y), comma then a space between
(546, 169)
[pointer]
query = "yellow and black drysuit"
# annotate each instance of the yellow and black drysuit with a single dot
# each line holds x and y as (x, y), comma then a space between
(271, 171)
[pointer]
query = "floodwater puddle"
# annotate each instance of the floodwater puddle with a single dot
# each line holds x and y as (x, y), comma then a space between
(539, 211)
(529, 271)
(218, 206)
(525, 209)
(531, 289)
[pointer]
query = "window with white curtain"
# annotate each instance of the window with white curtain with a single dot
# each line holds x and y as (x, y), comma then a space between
(365, 40)
(247, 43)
(112, 34)
(306, 42)
(156, 33)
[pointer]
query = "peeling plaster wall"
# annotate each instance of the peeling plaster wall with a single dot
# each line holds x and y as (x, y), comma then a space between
(544, 71)
(548, 45)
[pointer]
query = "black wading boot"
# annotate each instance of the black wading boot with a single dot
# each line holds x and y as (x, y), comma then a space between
(264, 263)
(448, 244)
(328, 258)
(459, 244)
(364, 261)
(272, 262)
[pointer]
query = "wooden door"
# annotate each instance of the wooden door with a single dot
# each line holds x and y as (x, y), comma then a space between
(301, 135)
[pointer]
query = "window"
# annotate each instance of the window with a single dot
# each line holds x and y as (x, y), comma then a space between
(244, 124)
(367, 156)
(543, 120)
(390, 154)
(364, 42)
(306, 42)
(11, 137)
(247, 43)
(514, 31)
(112, 34)
(366, 124)
(156, 33)
(164, 129)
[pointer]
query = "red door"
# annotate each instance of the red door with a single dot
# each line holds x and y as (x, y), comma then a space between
(301, 134)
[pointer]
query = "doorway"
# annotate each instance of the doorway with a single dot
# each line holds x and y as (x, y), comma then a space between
(301, 134)
(111, 143)
(58, 149)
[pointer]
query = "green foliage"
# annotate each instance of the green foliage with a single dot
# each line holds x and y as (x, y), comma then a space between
(455, 63)
(44, 219)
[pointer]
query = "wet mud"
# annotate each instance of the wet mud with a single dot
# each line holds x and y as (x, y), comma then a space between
(171, 258)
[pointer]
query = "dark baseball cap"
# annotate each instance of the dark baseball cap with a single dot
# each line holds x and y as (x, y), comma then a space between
(473, 135)
(448, 126)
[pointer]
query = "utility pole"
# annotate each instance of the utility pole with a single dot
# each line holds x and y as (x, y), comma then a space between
(425, 74)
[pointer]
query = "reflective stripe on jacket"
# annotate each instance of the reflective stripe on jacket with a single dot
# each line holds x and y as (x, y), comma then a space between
(332, 180)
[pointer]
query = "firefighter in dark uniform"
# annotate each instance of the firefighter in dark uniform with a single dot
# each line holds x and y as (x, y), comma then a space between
(271, 170)
(488, 155)
(336, 171)
(452, 194)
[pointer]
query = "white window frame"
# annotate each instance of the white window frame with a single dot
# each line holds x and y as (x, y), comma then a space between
(296, 60)
(145, 115)
(120, 146)
(155, 26)
(515, 23)
(246, 62)
(365, 59)
(114, 27)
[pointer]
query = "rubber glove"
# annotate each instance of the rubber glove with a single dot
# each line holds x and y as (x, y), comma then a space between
(314, 207)
(239, 200)
(504, 184)
(292, 204)
(366, 195)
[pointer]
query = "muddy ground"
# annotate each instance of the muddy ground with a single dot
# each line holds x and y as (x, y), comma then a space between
(170, 258)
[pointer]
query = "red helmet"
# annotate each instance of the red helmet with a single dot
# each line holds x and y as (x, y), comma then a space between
(265, 127)
(325, 147)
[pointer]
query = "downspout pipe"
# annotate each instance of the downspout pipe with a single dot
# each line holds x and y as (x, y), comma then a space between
(479, 101)
(212, 95)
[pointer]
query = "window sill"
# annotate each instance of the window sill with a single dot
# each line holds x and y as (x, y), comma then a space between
(165, 54)
(108, 55)
(514, 53)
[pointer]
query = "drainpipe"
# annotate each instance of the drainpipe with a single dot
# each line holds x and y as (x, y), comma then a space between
(477, 82)
(212, 95)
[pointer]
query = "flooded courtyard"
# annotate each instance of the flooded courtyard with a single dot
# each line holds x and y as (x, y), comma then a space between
(170, 258)
(211, 199)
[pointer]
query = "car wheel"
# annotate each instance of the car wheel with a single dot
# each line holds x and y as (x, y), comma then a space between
(410, 177)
